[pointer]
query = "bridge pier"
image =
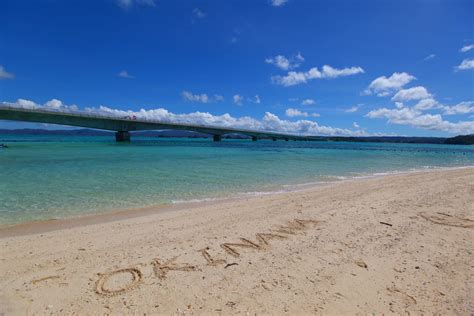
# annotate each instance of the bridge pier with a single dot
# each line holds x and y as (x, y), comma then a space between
(122, 136)
(217, 137)
(254, 138)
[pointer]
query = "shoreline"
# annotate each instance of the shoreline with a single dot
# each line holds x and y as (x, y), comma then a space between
(47, 225)
(392, 244)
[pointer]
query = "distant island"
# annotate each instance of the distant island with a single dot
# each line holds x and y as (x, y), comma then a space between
(457, 140)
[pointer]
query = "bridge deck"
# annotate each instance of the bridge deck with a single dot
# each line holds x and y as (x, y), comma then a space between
(125, 125)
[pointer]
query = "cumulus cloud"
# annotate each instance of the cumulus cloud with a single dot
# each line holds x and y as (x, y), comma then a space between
(125, 74)
(355, 125)
(284, 63)
(308, 102)
(327, 72)
(297, 113)
(415, 93)
(238, 99)
(269, 122)
(426, 113)
(430, 104)
(278, 3)
(415, 118)
(466, 64)
(5, 74)
(426, 104)
(465, 107)
(466, 48)
(383, 86)
(126, 4)
(257, 99)
(53, 104)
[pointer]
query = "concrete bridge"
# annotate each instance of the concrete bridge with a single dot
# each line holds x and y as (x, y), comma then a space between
(123, 126)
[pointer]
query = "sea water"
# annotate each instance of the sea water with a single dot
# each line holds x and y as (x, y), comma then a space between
(46, 177)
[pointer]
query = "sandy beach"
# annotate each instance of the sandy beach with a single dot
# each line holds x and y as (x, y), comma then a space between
(393, 244)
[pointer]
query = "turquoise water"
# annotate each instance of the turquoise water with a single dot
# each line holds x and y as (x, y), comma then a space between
(44, 177)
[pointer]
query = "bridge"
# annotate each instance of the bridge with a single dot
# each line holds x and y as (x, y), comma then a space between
(124, 125)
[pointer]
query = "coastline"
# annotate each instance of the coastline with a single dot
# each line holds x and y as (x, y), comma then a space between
(46, 225)
(390, 244)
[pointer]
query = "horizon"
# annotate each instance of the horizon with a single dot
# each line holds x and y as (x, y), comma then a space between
(332, 68)
(193, 134)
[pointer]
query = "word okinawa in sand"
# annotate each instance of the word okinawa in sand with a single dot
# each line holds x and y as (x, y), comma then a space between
(134, 276)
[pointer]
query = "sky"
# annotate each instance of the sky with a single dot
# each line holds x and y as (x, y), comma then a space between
(328, 67)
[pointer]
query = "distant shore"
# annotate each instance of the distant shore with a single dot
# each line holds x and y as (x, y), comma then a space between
(398, 243)
(455, 140)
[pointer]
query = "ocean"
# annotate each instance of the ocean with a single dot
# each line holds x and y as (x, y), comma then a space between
(52, 177)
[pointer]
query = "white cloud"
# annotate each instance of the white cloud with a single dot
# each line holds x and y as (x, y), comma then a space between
(430, 104)
(278, 3)
(383, 86)
(426, 104)
(294, 78)
(308, 102)
(355, 125)
(197, 13)
(5, 74)
(415, 118)
(202, 98)
(238, 99)
(284, 63)
(466, 64)
(126, 4)
(125, 74)
(297, 113)
(53, 104)
(415, 93)
(353, 109)
(329, 72)
(460, 108)
(291, 79)
(188, 96)
(429, 57)
(269, 122)
(466, 48)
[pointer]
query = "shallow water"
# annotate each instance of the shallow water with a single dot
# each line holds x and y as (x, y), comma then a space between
(44, 177)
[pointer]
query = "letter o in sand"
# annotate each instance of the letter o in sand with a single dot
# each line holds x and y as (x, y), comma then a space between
(118, 282)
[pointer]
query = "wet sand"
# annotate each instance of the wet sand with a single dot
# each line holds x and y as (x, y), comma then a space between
(399, 243)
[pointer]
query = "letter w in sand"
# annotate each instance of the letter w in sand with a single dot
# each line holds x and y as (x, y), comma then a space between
(161, 269)
(260, 244)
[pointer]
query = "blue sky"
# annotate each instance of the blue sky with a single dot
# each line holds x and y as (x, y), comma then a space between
(315, 67)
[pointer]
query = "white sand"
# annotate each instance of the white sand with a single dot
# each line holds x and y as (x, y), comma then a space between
(322, 250)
